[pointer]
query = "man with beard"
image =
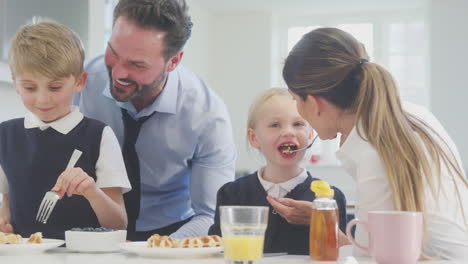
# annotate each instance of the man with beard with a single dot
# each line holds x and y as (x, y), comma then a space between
(175, 132)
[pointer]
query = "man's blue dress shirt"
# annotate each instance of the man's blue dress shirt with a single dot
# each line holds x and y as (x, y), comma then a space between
(186, 149)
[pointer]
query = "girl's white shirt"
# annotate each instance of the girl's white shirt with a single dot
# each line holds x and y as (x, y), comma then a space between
(279, 190)
(447, 229)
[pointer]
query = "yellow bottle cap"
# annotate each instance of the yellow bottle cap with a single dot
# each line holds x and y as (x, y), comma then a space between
(322, 189)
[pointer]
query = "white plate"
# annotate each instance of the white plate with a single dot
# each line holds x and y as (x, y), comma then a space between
(142, 249)
(28, 248)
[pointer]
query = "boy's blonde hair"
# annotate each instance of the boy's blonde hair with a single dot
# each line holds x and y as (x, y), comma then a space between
(48, 48)
(260, 100)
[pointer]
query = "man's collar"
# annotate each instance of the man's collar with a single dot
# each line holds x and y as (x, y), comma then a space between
(166, 102)
(63, 125)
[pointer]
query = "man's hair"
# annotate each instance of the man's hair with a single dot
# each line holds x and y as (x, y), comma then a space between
(169, 16)
(48, 48)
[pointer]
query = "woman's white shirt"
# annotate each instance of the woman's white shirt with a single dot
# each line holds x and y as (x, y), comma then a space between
(446, 233)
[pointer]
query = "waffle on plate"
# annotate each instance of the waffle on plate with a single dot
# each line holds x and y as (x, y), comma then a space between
(158, 241)
(9, 238)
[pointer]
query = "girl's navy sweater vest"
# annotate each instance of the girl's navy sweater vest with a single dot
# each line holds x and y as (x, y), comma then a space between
(280, 236)
(33, 160)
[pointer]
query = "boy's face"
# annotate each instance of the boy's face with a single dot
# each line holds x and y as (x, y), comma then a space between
(49, 99)
(279, 125)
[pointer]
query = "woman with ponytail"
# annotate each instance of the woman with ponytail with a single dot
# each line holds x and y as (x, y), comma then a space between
(398, 153)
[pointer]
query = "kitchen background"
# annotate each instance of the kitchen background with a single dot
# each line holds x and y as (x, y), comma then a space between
(239, 46)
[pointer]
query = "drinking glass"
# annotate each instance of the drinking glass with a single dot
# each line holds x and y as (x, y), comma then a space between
(243, 230)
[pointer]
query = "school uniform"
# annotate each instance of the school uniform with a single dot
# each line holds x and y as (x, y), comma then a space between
(280, 236)
(32, 156)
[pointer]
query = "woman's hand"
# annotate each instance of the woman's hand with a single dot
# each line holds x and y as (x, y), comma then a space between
(75, 181)
(298, 213)
(342, 239)
(295, 212)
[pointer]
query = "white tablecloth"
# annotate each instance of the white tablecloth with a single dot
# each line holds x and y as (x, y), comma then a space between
(63, 256)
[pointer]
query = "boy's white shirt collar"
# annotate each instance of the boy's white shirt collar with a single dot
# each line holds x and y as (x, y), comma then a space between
(279, 190)
(63, 125)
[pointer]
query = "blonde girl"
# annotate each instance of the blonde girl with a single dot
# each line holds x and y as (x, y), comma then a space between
(274, 126)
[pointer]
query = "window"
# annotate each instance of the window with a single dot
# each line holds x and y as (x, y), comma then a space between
(407, 60)
(403, 54)
(362, 32)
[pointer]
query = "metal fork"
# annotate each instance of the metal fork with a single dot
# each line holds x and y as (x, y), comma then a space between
(50, 198)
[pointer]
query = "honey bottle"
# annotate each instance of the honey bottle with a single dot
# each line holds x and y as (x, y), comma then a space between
(323, 236)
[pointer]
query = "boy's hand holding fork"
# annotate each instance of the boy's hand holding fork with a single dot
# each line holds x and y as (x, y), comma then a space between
(107, 203)
(75, 181)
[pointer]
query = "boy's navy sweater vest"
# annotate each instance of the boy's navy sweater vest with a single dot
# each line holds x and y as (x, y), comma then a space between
(33, 160)
(280, 236)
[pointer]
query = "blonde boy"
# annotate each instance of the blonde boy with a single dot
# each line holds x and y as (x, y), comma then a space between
(46, 61)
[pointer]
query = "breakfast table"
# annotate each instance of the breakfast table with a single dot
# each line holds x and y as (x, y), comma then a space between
(64, 256)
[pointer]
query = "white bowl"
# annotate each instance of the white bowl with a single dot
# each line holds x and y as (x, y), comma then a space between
(86, 241)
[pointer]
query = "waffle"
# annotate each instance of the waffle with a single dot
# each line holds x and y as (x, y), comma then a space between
(160, 241)
(2, 238)
(8, 238)
(211, 241)
(189, 242)
(35, 238)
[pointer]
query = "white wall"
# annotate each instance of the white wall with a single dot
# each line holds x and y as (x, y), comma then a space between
(198, 55)
(241, 70)
(10, 103)
(96, 28)
(449, 56)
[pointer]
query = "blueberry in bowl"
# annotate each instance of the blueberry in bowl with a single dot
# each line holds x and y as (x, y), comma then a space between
(92, 229)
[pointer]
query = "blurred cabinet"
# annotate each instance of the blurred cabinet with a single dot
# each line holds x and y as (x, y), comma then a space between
(86, 17)
(15, 13)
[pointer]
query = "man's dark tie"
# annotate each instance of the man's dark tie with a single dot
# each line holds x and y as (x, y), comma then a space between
(132, 198)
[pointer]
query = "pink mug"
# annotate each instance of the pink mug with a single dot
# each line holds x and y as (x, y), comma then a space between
(394, 236)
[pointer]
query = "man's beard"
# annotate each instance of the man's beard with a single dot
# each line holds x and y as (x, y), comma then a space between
(140, 90)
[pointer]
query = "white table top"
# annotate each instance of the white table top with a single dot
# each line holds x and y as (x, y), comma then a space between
(64, 256)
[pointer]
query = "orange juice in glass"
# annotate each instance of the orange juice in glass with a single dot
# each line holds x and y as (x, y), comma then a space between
(243, 229)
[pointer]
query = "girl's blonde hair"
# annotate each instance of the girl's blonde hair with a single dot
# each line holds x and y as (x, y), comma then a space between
(332, 64)
(46, 47)
(260, 100)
